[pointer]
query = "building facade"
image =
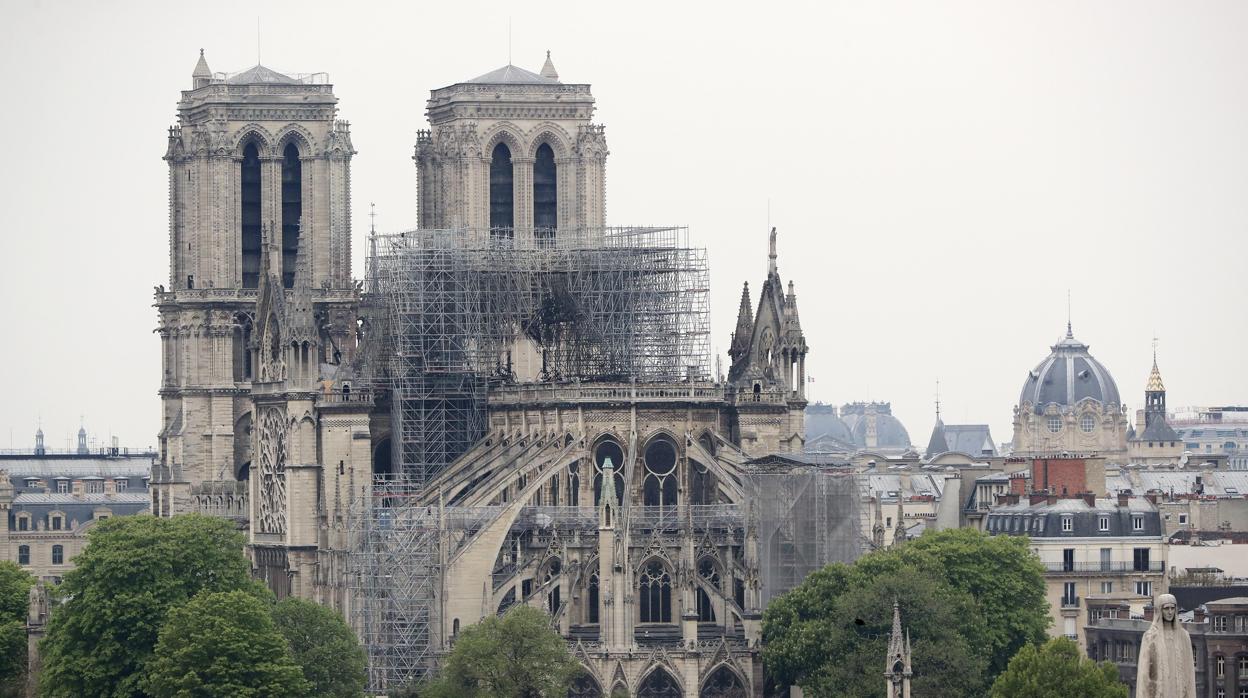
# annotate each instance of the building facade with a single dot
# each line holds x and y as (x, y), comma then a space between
(51, 501)
(496, 449)
(1093, 550)
(1070, 404)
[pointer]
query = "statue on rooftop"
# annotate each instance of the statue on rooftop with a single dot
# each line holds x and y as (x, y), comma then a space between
(1166, 669)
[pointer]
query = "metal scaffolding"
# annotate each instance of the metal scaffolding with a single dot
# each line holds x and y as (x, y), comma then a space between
(807, 517)
(447, 312)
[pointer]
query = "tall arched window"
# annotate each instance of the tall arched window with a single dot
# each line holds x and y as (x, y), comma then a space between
(249, 197)
(502, 204)
(591, 612)
(723, 683)
(292, 211)
(659, 488)
(545, 193)
(655, 593)
(709, 573)
(605, 449)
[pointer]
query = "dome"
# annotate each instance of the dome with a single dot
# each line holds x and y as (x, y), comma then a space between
(1068, 375)
(864, 417)
(822, 420)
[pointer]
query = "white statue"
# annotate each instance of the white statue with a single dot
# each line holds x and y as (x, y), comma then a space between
(1166, 669)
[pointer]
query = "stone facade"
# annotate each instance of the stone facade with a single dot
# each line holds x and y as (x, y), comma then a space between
(618, 507)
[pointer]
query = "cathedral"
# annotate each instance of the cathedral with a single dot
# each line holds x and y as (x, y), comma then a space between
(514, 407)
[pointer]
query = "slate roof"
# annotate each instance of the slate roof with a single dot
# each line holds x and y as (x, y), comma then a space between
(971, 439)
(261, 75)
(512, 75)
(1215, 483)
(1066, 376)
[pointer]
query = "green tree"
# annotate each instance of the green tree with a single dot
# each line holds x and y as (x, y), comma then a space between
(830, 634)
(225, 645)
(1057, 670)
(15, 584)
(515, 656)
(133, 570)
(333, 661)
(1003, 576)
(968, 599)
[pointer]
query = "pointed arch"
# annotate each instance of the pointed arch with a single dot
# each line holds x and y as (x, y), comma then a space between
(724, 681)
(298, 135)
(253, 134)
(545, 194)
(585, 685)
(660, 471)
(502, 192)
(654, 591)
(659, 683)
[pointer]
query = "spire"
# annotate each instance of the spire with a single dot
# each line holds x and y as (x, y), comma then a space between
(202, 75)
(745, 326)
(899, 533)
(548, 69)
(607, 502)
(897, 664)
(1069, 333)
(1154, 378)
(771, 255)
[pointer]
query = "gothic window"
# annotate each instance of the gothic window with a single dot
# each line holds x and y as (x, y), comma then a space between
(554, 490)
(381, 458)
(249, 199)
(584, 686)
(545, 193)
(659, 684)
(23, 554)
(553, 602)
(58, 554)
(608, 448)
(659, 487)
(701, 484)
(723, 683)
(292, 211)
(591, 612)
(708, 571)
(574, 483)
(502, 204)
(655, 593)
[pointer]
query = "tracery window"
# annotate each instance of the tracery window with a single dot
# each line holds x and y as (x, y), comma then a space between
(659, 487)
(584, 686)
(574, 483)
(701, 484)
(659, 684)
(591, 612)
(655, 593)
(723, 683)
(608, 448)
(502, 204)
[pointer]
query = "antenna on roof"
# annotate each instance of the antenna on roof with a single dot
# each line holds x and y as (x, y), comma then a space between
(938, 399)
(257, 39)
(509, 41)
(372, 214)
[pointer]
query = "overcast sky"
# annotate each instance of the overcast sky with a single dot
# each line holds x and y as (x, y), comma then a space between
(940, 173)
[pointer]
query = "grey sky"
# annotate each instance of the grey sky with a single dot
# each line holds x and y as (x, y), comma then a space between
(940, 174)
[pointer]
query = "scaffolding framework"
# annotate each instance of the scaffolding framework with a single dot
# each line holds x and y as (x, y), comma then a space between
(446, 310)
(807, 518)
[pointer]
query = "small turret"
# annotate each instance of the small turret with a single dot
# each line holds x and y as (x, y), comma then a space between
(82, 440)
(607, 504)
(548, 69)
(202, 75)
(39, 448)
(745, 326)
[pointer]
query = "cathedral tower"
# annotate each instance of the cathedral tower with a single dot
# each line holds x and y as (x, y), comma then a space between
(514, 152)
(256, 157)
(897, 671)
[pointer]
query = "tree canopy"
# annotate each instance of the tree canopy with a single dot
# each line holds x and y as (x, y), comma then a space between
(517, 655)
(1056, 670)
(15, 584)
(966, 600)
(132, 572)
(321, 643)
(226, 645)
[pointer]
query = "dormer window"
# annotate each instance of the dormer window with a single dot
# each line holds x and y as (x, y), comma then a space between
(1137, 523)
(1102, 523)
(62, 486)
(120, 484)
(1068, 524)
(56, 522)
(23, 521)
(1055, 424)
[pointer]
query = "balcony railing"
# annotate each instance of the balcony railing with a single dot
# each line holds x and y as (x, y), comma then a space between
(1070, 602)
(1155, 566)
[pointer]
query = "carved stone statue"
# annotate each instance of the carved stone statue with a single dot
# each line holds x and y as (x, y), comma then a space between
(1166, 669)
